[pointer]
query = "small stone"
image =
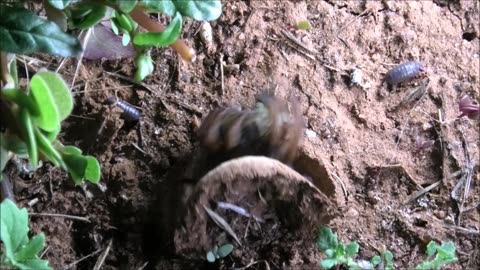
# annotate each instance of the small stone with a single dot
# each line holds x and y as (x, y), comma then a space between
(310, 134)
(241, 36)
(439, 214)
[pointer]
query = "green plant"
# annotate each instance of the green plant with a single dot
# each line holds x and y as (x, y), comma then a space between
(444, 254)
(19, 251)
(338, 253)
(218, 253)
(33, 119)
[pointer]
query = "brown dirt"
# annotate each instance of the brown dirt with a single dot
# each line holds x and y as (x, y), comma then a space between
(363, 156)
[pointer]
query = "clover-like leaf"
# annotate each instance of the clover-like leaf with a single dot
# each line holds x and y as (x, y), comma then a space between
(164, 38)
(201, 10)
(23, 32)
(211, 257)
(165, 6)
(48, 118)
(225, 250)
(92, 172)
(59, 90)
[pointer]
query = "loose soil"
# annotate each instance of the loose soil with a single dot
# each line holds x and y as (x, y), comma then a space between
(363, 155)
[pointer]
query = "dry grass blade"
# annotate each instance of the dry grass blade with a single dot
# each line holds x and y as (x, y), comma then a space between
(421, 192)
(144, 85)
(416, 94)
(290, 37)
(59, 215)
(102, 257)
(463, 230)
(222, 223)
(82, 259)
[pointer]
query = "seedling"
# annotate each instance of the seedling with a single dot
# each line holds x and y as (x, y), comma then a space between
(444, 254)
(338, 253)
(18, 250)
(218, 253)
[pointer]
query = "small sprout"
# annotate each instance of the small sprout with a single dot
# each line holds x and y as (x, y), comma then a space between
(218, 253)
(303, 25)
(444, 254)
(469, 108)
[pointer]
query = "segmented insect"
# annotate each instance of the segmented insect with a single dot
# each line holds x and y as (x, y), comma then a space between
(129, 112)
(206, 35)
(268, 129)
(403, 72)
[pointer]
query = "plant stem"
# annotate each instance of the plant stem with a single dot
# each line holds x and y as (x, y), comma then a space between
(4, 67)
(187, 53)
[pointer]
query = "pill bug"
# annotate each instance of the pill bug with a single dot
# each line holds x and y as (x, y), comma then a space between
(403, 72)
(129, 112)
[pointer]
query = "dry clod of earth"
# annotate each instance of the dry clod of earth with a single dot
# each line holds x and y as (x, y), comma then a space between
(291, 206)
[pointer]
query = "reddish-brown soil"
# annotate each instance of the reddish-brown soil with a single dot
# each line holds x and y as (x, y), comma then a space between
(364, 156)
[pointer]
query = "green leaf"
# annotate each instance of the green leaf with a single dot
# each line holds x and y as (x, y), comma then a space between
(225, 250)
(23, 32)
(144, 66)
(376, 260)
(92, 172)
(327, 239)
(48, 118)
(164, 38)
(211, 257)
(125, 39)
(70, 150)
(328, 263)
(448, 248)
(431, 249)
(28, 133)
(14, 227)
(76, 166)
(28, 251)
(61, 94)
(388, 256)
(96, 12)
(330, 253)
(126, 6)
(113, 23)
(14, 72)
(62, 4)
(200, 10)
(125, 22)
(351, 249)
(165, 6)
(303, 25)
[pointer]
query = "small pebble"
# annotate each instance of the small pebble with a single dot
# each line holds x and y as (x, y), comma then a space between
(310, 134)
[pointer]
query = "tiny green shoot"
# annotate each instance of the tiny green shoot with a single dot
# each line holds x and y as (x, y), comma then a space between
(218, 253)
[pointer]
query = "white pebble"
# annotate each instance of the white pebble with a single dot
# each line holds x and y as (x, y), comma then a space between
(310, 134)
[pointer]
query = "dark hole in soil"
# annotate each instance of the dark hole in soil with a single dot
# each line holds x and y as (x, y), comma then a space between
(469, 36)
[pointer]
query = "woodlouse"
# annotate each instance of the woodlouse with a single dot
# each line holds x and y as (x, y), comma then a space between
(129, 112)
(403, 72)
